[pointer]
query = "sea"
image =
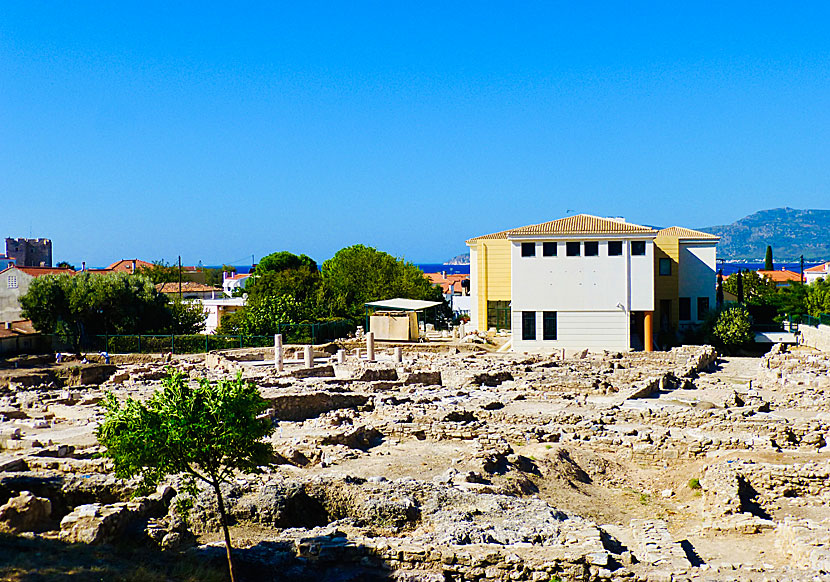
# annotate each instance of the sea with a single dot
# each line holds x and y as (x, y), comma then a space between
(729, 267)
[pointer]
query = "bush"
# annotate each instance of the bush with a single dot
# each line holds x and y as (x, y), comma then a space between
(730, 327)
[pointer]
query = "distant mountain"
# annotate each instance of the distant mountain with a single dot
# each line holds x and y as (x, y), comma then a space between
(789, 231)
(459, 260)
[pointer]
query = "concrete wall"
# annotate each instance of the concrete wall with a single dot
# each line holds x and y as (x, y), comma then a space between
(595, 330)
(489, 277)
(697, 274)
(818, 338)
(563, 283)
(10, 309)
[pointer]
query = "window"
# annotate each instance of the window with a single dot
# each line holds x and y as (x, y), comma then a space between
(498, 314)
(549, 249)
(665, 267)
(591, 248)
(638, 247)
(572, 249)
(528, 325)
(702, 307)
(12, 281)
(528, 249)
(685, 305)
(549, 325)
(614, 248)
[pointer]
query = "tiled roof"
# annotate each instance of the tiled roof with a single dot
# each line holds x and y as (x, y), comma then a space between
(493, 236)
(823, 268)
(19, 327)
(680, 232)
(780, 276)
(38, 271)
(239, 276)
(187, 287)
(582, 224)
(127, 265)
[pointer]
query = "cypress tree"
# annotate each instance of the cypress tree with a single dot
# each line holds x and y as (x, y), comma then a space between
(768, 266)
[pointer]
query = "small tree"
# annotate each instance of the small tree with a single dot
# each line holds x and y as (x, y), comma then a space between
(731, 327)
(768, 266)
(204, 431)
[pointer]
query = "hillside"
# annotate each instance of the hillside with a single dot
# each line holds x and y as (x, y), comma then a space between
(459, 260)
(791, 233)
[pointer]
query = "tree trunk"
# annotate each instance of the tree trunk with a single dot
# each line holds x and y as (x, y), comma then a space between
(223, 518)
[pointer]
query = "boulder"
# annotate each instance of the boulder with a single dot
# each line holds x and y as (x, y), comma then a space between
(25, 513)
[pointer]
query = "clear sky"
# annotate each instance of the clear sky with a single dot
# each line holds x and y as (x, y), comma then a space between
(216, 131)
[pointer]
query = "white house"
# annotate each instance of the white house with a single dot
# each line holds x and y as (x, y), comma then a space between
(818, 272)
(232, 282)
(215, 309)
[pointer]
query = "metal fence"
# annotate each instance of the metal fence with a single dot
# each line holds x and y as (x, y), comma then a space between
(292, 333)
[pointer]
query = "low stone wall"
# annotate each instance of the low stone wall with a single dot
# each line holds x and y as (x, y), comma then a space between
(815, 337)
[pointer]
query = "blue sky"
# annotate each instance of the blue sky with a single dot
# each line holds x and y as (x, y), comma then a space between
(218, 131)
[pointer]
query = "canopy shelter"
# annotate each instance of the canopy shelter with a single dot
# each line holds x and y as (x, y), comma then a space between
(397, 319)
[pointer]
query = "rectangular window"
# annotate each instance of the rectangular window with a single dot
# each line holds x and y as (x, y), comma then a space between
(665, 267)
(549, 249)
(528, 249)
(702, 307)
(549, 325)
(638, 247)
(498, 315)
(685, 306)
(12, 281)
(528, 325)
(614, 248)
(591, 248)
(572, 249)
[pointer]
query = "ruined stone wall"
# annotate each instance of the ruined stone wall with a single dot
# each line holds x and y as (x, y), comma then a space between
(815, 337)
(30, 252)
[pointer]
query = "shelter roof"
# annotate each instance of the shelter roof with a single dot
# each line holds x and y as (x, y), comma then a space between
(402, 304)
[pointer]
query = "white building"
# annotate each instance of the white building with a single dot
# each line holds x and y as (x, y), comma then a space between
(215, 309)
(818, 272)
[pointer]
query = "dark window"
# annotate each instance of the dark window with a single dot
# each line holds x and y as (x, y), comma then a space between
(528, 325)
(528, 249)
(614, 248)
(572, 249)
(665, 267)
(498, 314)
(638, 247)
(665, 314)
(591, 248)
(549, 325)
(702, 307)
(685, 305)
(549, 249)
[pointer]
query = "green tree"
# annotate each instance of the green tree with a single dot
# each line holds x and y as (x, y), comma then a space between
(262, 315)
(358, 274)
(283, 260)
(791, 300)
(187, 316)
(818, 297)
(160, 272)
(213, 277)
(87, 304)
(768, 265)
(65, 265)
(756, 287)
(731, 327)
(204, 431)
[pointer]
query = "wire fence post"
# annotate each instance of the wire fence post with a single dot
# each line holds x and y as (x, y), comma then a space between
(172, 344)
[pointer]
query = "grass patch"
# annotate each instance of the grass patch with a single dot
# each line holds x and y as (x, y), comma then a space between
(694, 483)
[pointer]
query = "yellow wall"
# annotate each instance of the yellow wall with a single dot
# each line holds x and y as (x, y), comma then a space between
(666, 286)
(493, 274)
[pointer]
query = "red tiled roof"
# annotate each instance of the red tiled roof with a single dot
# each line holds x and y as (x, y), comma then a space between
(579, 224)
(19, 327)
(823, 268)
(126, 265)
(780, 276)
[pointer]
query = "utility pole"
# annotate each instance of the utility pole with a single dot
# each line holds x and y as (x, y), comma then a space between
(802, 268)
(180, 278)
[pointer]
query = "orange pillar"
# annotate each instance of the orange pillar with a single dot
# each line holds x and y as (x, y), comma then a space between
(648, 331)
